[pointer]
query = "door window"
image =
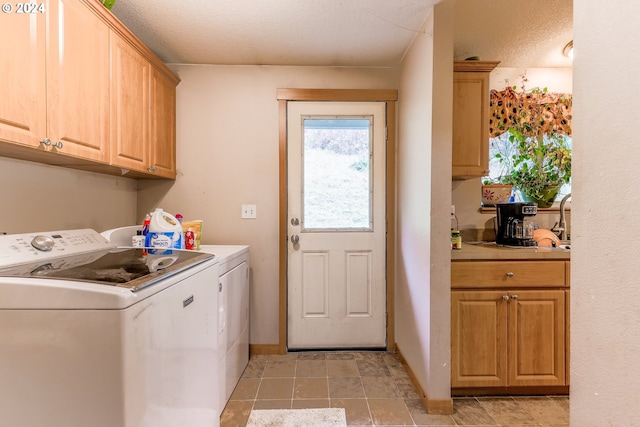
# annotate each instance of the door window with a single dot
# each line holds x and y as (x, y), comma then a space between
(336, 182)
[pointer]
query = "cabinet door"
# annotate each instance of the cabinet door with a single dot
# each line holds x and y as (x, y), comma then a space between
(77, 80)
(22, 67)
(478, 339)
(470, 156)
(129, 142)
(163, 125)
(536, 338)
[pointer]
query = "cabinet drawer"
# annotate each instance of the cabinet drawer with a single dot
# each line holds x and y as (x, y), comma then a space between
(511, 274)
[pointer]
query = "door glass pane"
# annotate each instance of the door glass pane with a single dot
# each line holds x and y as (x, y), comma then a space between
(336, 186)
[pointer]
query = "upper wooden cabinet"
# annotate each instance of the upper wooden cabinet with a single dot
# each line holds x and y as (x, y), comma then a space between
(470, 144)
(143, 112)
(77, 81)
(163, 124)
(23, 107)
(78, 92)
(130, 75)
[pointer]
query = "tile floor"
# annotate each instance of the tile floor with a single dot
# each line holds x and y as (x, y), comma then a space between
(375, 390)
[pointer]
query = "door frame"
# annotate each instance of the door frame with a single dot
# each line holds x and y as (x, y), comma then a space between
(389, 97)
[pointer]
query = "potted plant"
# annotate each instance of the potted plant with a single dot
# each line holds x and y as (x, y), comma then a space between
(541, 166)
(535, 156)
(496, 190)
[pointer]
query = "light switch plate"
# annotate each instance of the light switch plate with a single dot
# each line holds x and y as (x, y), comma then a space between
(249, 211)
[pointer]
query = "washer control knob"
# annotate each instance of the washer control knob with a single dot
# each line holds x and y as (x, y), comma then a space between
(42, 243)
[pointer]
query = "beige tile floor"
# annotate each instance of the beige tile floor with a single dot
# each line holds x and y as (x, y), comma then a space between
(375, 390)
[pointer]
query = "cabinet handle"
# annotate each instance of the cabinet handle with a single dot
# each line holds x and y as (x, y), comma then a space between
(152, 169)
(514, 296)
(505, 297)
(510, 274)
(58, 145)
(45, 141)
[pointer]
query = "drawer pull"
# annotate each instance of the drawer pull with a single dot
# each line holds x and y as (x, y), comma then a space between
(510, 274)
(514, 296)
(505, 297)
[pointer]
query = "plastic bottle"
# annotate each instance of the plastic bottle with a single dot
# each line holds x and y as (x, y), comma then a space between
(145, 225)
(190, 239)
(179, 217)
(137, 241)
(165, 231)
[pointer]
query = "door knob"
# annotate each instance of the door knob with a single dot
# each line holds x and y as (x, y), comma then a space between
(295, 238)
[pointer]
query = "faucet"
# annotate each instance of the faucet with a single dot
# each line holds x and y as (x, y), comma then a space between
(561, 225)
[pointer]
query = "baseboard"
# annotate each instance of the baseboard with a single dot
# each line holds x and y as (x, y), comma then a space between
(511, 391)
(264, 349)
(433, 406)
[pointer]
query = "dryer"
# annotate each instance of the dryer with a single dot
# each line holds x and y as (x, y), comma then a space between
(233, 315)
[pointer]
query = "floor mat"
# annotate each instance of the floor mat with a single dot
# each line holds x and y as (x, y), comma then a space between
(324, 417)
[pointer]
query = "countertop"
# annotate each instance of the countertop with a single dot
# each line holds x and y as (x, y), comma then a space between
(490, 251)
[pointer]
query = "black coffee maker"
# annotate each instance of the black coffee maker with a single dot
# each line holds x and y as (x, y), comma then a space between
(513, 229)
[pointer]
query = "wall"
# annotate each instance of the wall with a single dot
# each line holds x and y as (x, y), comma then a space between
(227, 132)
(38, 197)
(605, 320)
(466, 194)
(424, 171)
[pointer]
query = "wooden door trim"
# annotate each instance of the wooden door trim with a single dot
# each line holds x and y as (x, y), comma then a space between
(389, 96)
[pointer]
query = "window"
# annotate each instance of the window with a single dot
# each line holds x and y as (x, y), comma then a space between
(337, 173)
(497, 168)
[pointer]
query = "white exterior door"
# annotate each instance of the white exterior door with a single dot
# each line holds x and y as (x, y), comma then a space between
(336, 224)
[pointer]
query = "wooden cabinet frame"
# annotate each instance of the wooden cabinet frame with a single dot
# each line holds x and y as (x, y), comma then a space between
(470, 139)
(509, 331)
(59, 109)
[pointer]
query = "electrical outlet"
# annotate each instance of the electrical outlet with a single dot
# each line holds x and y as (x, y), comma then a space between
(249, 211)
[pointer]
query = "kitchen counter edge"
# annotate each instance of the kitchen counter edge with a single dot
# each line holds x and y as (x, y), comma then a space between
(489, 252)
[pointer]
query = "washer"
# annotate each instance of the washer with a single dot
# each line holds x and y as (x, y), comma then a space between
(95, 335)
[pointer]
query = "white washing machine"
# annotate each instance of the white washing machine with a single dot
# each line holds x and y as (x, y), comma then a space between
(94, 335)
(233, 315)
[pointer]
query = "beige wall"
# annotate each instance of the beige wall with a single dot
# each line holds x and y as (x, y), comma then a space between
(227, 132)
(38, 197)
(605, 295)
(424, 173)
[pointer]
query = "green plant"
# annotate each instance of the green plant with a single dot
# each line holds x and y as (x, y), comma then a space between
(539, 162)
(534, 155)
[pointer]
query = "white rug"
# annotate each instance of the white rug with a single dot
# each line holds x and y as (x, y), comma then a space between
(324, 417)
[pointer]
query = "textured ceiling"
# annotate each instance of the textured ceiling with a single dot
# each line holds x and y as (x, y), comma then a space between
(276, 32)
(519, 33)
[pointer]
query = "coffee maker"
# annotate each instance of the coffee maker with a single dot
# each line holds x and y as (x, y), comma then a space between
(513, 228)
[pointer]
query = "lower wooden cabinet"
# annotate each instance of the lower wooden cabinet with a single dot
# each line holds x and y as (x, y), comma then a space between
(511, 337)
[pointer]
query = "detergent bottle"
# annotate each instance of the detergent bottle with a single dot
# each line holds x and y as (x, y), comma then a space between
(165, 232)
